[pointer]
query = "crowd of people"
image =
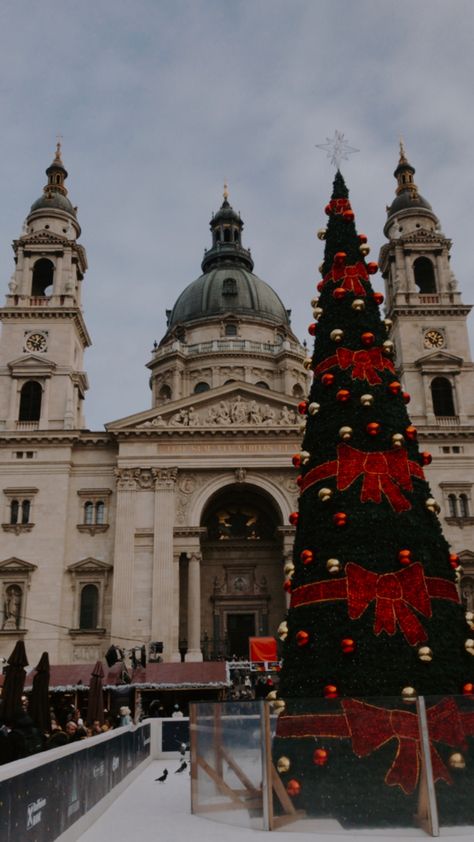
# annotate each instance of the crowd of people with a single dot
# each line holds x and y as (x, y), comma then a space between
(19, 737)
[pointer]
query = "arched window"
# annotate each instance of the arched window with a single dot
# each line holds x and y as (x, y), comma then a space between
(442, 397)
(453, 505)
(227, 235)
(165, 393)
(88, 614)
(464, 505)
(14, 511)
(201, 387)
(424, 275)
(236, 236)
(218, 236)
(30, 401)
(297, 391)
(99, 512)
(43, 274)
(25, 511)
(262, 384)
(89, 512)
(231, 329)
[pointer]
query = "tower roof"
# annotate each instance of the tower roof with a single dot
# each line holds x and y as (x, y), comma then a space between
(407, 195)
(55, 192)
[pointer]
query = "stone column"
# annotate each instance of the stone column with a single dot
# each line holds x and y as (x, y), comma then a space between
(122, 593)
(165, 586)
(194, 608)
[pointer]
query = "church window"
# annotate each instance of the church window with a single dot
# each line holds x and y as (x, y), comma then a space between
(88, 613)
(25, 511)
(165, 393)
(463, 505)
(262, 384)
(229, 286)
(201, 387)
(94, 510)
(218, 236)
(20, 511)
(30, 401)
(442, 397)
(100, 512)
(227, 235)
(424, 275)
(14, 511)
(89, 512)
(231, 329)
(236, 236)
(453, 505)
(43, 273)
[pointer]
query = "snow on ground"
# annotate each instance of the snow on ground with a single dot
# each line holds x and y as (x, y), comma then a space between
(149, 811)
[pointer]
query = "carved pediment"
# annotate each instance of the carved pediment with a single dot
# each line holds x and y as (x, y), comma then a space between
(229, 406)
(423, 235)
(16, 565)
(439, 360)
(43, 238)
(89, 565)
(31, 364)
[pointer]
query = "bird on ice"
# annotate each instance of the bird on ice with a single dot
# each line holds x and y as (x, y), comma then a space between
(162, 777)
(183, 766)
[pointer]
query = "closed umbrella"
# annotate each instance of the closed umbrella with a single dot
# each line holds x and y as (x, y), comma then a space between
(95, 705)
(14, 681)
(39, 699)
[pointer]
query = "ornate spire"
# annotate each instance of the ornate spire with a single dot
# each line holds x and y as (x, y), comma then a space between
(404, 173)
(56, 173)
(226, 226)
(226, 192)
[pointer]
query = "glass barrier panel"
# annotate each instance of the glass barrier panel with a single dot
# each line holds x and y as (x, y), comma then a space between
(226, 762)
(450, 721)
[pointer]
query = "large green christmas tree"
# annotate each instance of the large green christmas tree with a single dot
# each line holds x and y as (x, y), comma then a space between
(374, 617)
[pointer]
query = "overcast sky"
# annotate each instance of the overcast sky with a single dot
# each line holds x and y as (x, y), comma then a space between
(160, 101)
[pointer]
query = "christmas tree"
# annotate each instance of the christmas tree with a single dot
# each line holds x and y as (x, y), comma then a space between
(375, 617)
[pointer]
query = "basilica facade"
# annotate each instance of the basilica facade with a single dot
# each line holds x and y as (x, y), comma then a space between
(170, 528)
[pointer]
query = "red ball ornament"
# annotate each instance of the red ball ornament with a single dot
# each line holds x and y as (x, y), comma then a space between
(394, 387)
(293, 787)
(340, 257)
(411, 433)
(293, 518)
(406, 397)
(339, 293)
(426, 458)
(296, 459)
(312, 328)
(320, 286)
(303, 407)
(367, 338)
(454, 560)
(405, 557)
(299, 481)
(378, 297)
(468, 689)
(339, 519)
(302, 638)
(373, 428)
(327, 379)
(343, 395)
(307, 556)
(287, 585)
(348, 216)
(362, 238)
(372, 268)
(327, 209)
(320, 756)
(330, 691)
(348, 645)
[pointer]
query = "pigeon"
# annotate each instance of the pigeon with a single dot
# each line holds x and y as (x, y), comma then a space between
(182, 767)
(162, 777)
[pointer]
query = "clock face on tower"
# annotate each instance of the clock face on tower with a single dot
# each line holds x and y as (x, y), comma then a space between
(36, 342)
(433, 339)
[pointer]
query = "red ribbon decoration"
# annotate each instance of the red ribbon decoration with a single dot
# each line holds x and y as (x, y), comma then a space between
(396, 596)
(384, 472)
(365, 364)
(370, 727)
(339, 205)
(349, 276)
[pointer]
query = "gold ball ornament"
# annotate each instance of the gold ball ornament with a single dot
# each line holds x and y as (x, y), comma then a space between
(314, 302)
(321, 234)
(271, 696)
(325, 494)
(425, 654)
(320, 268)
(336, 335)
(456, 760)
(409, 694)
(470, 619)
(345, 433)
(333, 566)
(469, 645)
(283, 765)
(317, 312)
(289, 568)
(388, 347)
(313, 408)
(367, 400)
(278, 706)
(358, 305)
(307, 363)
(432, 505)
(305, 457)
(283, 630)
(398, 440)
(364, 249)
(388, 324)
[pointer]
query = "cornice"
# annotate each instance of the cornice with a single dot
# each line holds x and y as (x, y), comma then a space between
(429, 310)
(54, 437)
(206, 432)
(47, 314)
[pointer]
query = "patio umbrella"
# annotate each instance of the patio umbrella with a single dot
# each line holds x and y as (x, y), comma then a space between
(95, 705)
(14, 681)
(39, 699)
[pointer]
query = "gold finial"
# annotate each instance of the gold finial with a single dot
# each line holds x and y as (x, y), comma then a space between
(57, 157)
(226, 191)
(403, 157)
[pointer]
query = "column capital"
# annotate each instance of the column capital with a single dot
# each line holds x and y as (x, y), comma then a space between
(165, 478)
(194, 556)
(126, 480)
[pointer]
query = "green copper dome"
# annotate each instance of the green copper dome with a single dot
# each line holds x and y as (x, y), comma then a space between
(55, 200)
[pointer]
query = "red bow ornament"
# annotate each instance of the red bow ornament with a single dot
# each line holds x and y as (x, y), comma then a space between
(365, 364)
(348, 277)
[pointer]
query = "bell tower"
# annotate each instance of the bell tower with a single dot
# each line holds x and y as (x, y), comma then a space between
(42, 382)
(428, 326)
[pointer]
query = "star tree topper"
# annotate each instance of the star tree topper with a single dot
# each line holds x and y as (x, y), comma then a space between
(337, 148)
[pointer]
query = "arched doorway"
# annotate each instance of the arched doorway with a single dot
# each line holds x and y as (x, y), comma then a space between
(241, 574)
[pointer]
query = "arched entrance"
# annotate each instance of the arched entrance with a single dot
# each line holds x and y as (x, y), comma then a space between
(241, 573)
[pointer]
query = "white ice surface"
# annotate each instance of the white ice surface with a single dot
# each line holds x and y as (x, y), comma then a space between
(153, 812)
